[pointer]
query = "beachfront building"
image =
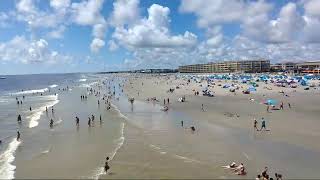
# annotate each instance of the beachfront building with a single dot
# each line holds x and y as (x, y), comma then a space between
(309, 67)
(283, 67)
(252, 66)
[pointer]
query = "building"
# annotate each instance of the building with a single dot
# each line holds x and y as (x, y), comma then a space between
(283, 67)
(252, 66)
(309, 67)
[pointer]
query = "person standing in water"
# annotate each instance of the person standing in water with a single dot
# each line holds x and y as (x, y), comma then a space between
(181, 123)
(30, 108)
(106, 165)
(19, 118)
(18, 136)
(51, 123)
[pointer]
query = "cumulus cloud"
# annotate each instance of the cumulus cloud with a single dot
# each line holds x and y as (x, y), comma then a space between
(112, 45)
(96, 44)
(21, 50)
(125, 12)
(87, 12)
(153, 32)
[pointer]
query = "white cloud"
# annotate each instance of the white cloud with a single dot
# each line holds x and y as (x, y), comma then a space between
(21, 50)
(96, 44)
(214, 12)
(312, 8)
(112, 45)
(87, 12)
(124, 12)
(57, 33)
(153, 32)
(99, 30)
(59, 4)
(26, 6)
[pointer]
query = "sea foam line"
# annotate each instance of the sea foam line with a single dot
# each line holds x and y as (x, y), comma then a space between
(6, 158)
(53, 86)
(31, 91)
(35, 116)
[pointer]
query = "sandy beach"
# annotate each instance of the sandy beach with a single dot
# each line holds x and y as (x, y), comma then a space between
(289, 147)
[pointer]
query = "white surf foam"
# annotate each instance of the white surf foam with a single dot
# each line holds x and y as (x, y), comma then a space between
(118, 111)
(53, 86)
(6, 158)
(186, 159)
(31, 91)
(36, 114)
(82, 80)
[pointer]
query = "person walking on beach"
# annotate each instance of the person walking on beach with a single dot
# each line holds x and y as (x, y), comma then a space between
(18, 136)
(77, 121)
(181, 123)
(202, 107)
(263, 124)
(289, 105)
(255, 123)
(281, 106)
(46, 109)
(89, 122)
(164, 101)
(268, 107)
(100, 118)
(168, 100)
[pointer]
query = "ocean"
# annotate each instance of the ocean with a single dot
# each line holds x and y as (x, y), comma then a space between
(57, 97)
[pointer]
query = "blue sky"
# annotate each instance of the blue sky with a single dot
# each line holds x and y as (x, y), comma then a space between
(56, 36)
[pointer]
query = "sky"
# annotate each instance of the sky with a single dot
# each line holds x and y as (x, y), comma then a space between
(61, 36)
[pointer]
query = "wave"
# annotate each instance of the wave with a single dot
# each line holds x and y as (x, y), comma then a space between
(82, 80)
(119, 112)
(35, 116)
(31, 91)
(6, 158)
(88, 85)
(53, 86)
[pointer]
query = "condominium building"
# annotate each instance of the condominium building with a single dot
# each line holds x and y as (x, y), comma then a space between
(251, 66)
